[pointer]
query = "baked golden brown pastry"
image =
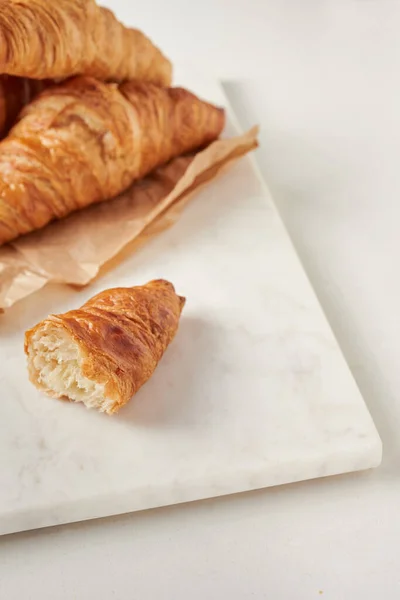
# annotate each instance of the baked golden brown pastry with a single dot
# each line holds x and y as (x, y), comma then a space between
(86, 141)
(44, 40)
(104, 352)
(57, 39)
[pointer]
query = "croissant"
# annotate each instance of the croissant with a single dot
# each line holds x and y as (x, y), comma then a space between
(104, 352)
(57, 39)
(86, 141)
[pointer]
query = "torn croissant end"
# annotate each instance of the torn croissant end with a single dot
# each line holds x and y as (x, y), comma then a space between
(104, 352)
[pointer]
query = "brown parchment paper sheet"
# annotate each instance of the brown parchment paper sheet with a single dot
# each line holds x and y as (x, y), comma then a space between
(75, 249)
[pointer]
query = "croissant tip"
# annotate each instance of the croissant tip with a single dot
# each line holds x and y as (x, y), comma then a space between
(168, 284)
(182, 301)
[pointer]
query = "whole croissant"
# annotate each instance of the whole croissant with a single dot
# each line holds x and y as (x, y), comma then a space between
(86, 141)
(56, 39)
(104, 352)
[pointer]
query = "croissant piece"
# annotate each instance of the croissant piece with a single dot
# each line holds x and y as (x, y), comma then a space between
(86, 141)
(104, 352)
(42, 39)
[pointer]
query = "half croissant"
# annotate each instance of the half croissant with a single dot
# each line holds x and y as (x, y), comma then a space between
(104, 352)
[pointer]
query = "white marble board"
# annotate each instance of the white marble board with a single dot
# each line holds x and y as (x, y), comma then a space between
(253, 392)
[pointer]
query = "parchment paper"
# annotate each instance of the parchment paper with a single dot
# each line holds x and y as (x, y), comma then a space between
(73, 250)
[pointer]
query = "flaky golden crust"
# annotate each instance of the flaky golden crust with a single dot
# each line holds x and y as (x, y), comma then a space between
(122, 334)
(85, 141)
(57, 39)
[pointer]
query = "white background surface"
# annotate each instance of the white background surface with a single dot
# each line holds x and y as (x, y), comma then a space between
(323, 79)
